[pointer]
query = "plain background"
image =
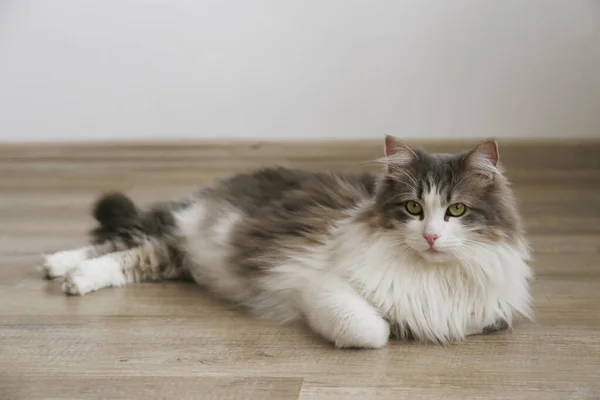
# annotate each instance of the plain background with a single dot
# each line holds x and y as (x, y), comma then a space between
(289, 69)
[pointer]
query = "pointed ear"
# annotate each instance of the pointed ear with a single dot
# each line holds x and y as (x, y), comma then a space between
(484, 157)
(398, 153)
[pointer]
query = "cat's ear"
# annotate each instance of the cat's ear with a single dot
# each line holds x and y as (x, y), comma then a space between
(484, 158)
(398, 153)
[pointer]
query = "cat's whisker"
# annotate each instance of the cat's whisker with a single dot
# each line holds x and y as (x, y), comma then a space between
(391, 199)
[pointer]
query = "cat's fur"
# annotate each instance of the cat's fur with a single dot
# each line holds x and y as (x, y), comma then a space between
(339, 251)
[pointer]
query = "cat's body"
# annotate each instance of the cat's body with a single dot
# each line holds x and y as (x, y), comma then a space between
(343, 252)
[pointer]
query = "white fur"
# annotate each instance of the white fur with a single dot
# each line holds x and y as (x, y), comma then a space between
(94, 274)
(333, 309)
(208, 249)
(439, 302)
(223, 227)
(58, 264)
(190, 219)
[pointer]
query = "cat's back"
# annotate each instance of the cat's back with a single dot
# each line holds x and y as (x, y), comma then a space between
(291, 190)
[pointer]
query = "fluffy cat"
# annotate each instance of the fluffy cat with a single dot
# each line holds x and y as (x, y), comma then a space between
(432, 248)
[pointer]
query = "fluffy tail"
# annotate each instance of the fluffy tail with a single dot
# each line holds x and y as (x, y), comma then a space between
(115, 210)
(121, 222)
(118, 219)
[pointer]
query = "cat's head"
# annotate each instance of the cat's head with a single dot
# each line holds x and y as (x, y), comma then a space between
(444, 204)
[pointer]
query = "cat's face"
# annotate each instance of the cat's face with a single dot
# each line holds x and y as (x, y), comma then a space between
(445, 205)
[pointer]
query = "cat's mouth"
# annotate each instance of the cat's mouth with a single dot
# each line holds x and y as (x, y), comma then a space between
(435, 255)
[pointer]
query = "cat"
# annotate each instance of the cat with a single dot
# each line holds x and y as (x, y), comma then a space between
(432, 248)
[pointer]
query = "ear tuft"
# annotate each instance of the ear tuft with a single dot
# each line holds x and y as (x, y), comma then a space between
(397, 152)
(489, 150)
(484, 157)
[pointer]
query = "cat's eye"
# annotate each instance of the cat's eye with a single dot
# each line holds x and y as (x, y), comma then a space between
(457, 209)
(413, 207)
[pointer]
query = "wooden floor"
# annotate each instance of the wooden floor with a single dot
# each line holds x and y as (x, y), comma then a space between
(172, 341)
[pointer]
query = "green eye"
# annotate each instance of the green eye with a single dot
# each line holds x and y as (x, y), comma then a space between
(456, 210)
(413, 207)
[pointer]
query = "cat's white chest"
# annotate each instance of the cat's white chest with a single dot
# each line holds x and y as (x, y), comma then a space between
(428, 303)
(439, 303)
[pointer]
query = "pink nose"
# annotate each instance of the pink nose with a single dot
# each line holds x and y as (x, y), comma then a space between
(430, 237)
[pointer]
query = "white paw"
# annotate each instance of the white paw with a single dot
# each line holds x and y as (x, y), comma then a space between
(367, 333)
(58, 264)
(92, 275)
(77, 284)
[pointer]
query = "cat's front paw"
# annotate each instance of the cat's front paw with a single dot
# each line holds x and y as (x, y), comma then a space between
(371, 332)
(59, 264)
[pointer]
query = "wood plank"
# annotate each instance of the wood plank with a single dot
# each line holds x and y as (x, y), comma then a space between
(133, 387)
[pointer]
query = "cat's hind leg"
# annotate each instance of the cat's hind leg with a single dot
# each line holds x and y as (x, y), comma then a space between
(118, 218)
(151, 261)
(336, 311)
(58, 264)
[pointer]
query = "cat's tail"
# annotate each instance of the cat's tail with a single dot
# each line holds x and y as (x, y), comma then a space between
(115, 210)
(122, 223)
(119, 221)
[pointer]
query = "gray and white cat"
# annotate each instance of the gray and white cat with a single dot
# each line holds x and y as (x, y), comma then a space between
(432, 248)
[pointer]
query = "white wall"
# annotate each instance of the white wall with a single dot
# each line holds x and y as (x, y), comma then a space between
(129, 69)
